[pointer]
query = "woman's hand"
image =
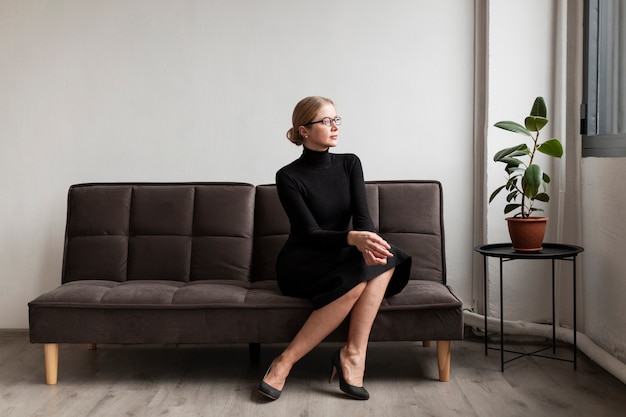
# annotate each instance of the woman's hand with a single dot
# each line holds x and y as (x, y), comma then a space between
(374, 248)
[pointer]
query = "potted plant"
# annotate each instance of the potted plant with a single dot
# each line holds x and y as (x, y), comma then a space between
(526, 182)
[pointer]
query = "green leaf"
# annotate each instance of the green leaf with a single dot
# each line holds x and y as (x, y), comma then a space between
(512, 196)
(551, 147)
(495, 193)
(511, 152)
(512, 165)
(546, 178)
(510, 161)
(510, 207)
(514, 171)
(513, 127)
(511, 184)
(542, 197)
(532, 180)
(535, 123)
(539, 108)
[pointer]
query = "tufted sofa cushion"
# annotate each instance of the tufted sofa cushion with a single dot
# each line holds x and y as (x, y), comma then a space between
(183, 232)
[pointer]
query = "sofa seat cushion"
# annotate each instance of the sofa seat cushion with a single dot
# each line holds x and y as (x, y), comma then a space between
(417, 294)
(420, 294)
(221, 293)
(146, 294)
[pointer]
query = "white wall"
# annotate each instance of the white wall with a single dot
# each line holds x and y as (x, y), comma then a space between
(521, 67)
(604, 234)
(202, 90)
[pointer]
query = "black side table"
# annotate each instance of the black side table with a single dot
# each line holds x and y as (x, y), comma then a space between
(505, 252)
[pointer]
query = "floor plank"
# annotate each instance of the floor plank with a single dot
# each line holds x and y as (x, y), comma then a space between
(221, 381)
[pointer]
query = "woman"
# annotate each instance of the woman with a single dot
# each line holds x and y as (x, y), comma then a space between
(342, 271)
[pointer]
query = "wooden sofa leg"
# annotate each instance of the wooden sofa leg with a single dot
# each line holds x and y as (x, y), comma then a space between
(426, 343)
(443, 359)
(92, 346)
(51, 358)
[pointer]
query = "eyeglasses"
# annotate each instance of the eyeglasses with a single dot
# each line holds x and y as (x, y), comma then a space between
(327, 121)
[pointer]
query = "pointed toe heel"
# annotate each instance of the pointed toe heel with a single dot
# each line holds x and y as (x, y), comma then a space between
(266, 389)
(358, 393)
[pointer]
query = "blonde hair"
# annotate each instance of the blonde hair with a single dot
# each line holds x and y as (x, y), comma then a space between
(303, 113)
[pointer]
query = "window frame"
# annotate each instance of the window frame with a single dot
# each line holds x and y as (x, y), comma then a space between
(594, 144)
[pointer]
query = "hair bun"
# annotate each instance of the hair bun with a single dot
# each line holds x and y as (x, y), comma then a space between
(293, 136)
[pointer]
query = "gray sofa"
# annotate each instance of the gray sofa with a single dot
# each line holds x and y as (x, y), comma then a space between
(179, 263)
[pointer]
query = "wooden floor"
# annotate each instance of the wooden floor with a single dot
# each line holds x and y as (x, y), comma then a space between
(221, 381)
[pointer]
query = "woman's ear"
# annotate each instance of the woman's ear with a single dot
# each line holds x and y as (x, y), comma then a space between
(303, 132)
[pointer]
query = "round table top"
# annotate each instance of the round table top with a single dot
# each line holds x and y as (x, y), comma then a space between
(549, 251)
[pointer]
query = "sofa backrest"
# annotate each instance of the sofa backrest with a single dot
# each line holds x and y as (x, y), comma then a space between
(194, 231)
(271, 229)
(184, 232)
(408, 214)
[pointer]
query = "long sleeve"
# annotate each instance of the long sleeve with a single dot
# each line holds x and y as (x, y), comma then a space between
(361, 219)
(321, 193)
(304, 226)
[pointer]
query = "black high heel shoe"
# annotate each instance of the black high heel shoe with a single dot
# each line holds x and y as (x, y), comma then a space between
(358, 393)
(268, 390)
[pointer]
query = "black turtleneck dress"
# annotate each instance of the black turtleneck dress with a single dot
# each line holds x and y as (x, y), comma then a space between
(321, 193)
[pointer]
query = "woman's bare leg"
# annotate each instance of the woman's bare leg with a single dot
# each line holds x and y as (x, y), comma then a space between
(362, 318)
(316, 328)
(362, 303)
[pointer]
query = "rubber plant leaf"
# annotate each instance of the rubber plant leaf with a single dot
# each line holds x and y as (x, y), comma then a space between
(496, 192)
(532, 180)
(510, 207)
(551, 147)
(535, 123)
(539, 108)
(513, 127)
(513, 151)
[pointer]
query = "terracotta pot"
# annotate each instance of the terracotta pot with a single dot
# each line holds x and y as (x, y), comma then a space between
(527, 234)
